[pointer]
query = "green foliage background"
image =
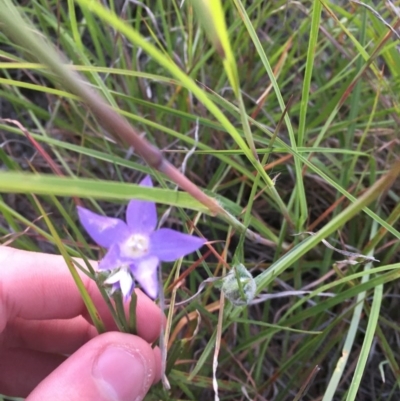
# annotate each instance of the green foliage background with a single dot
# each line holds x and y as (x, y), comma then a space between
(286, 114)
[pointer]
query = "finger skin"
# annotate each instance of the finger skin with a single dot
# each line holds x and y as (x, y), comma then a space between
(76, 378)
(37, 286)
(44, 319)
(62, 336)
(21, 370)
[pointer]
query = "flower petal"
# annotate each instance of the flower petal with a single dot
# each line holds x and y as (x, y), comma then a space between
(146, 182)
(126, 282)
(169, 245)
(115, 277)
(123, 280)
(113, 259)
(145, 273)
(141, 216)
(103, 230)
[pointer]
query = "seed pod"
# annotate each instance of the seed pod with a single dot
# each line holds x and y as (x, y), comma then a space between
(231, 288)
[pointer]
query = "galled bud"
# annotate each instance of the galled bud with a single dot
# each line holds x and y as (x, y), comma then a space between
(239, 286)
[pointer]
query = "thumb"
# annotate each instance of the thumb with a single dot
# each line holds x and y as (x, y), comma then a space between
(111, 367)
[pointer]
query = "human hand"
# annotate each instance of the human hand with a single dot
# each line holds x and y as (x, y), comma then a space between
(43, 318)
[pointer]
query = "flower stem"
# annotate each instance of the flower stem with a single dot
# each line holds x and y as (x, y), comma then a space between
(119, 306)
(132, 314)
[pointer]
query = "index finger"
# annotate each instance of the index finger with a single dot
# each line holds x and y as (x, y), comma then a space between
(38, 286)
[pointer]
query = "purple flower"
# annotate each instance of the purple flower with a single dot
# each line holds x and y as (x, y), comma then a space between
(135, 248)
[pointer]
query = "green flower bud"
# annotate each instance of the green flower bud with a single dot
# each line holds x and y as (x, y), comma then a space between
(239, 286)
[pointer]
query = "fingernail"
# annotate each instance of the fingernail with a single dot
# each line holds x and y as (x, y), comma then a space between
(121, 374)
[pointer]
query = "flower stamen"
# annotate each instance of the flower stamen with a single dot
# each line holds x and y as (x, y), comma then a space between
(136, 246)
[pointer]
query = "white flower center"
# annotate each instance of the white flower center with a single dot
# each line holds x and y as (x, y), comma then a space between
(136, 246)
